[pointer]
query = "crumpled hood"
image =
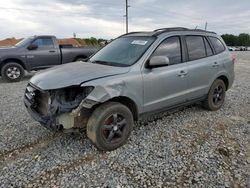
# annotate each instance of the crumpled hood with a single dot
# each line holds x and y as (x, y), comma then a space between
(72, 74)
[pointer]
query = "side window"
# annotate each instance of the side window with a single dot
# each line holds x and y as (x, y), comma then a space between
(171, 48)
(208, 47)
(44, 43)
(218, 46)
(196, 47)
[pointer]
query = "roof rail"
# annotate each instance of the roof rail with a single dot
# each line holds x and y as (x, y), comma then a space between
(157, 32)
(130, 33)
(163, 30)
(202, 30)
(171, 29)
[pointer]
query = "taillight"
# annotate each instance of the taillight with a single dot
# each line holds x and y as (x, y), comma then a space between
(233, 57)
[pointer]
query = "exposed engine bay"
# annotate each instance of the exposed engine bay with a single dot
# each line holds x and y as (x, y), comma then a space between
(54, 108)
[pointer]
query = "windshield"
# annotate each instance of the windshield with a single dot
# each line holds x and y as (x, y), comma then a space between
(24, 42)
(123, 51)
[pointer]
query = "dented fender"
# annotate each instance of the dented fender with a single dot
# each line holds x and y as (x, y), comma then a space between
(101, 94)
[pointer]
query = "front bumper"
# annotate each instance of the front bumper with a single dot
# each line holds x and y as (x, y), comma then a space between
(45, 121)
(54, 114)
(30, 103)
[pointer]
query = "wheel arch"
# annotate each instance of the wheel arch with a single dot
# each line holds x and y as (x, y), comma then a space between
(129, 103)
(14, 60)
(224, 79)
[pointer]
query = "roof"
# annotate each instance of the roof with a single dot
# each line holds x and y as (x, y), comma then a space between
(9, 42)
(69, 41)
(66, 41)
(157, 32)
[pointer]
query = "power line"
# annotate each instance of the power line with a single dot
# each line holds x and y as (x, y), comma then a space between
(206, 26)
(127, 6)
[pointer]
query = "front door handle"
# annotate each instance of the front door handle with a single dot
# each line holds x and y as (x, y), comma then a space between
(182, 73)
(215, 64)
(52, 51)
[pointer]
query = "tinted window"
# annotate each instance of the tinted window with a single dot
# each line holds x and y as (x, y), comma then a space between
(170, 48)
(44, 43)
(218, 46)
(208, 48)
(196, 47)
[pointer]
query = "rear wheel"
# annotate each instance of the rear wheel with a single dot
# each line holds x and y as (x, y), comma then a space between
(12, 72)
(110, 126)
(216, 95)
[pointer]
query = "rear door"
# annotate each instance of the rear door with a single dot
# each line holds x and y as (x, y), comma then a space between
(202, 65)
(46, 55)
(166, 86)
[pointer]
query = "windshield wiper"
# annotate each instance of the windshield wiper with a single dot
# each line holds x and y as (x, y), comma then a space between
(103, 62)
(108, 63)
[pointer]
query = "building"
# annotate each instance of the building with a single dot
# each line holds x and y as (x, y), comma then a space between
(69, 41)
(9, 42)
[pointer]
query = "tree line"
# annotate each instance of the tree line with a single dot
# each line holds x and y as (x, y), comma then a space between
(92, 41)
(242, 39)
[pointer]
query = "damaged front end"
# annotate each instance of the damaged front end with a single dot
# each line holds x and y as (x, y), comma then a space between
(53, 108)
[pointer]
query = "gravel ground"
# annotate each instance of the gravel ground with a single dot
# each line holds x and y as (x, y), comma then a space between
(189, 148)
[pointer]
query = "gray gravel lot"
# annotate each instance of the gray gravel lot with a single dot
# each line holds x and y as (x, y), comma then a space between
(189, 148)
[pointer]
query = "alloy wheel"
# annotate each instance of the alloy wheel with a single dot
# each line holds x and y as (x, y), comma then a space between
(114, 128)
(13, 72)
(218, 95)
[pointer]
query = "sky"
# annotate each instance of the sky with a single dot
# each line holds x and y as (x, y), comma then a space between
(105, 18)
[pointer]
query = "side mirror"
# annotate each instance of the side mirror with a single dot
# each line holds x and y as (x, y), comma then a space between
(32, 47)
(158, 61)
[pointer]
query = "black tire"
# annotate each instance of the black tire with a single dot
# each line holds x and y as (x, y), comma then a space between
(12, 72)
(80, 59)
(216, 96)
(110, 126)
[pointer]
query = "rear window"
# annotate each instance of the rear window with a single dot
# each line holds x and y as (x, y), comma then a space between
(196, 47)
(218, 46)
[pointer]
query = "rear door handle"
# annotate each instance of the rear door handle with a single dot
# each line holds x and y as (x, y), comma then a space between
(215, 64)
(182, 73)
(52, 51)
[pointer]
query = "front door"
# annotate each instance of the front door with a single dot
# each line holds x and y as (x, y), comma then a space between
(166, 86)
(46, 54)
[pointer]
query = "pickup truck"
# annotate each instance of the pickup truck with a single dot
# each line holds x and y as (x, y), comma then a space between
(36, 53)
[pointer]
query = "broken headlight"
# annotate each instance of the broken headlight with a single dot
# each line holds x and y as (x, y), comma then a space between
(64, 100)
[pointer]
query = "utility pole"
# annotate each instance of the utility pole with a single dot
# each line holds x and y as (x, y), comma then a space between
(127, 6)
(205, 26)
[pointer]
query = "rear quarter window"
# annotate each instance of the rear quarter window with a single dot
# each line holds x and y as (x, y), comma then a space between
(218, 45)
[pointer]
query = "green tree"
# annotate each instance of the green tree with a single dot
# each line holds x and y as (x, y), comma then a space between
(242, 39)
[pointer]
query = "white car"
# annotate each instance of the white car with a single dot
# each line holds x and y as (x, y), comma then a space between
(230, 48)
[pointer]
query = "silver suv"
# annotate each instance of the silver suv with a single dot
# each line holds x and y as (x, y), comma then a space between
(137, 74)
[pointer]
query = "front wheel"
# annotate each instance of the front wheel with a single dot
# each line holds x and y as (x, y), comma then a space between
(12, 72)
(216, 95)
(110, 126)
